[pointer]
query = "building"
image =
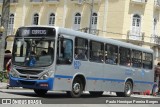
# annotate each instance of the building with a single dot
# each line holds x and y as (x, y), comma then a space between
(134, 21)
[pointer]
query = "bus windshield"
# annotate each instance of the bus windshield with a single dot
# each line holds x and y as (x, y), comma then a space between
(35, 52)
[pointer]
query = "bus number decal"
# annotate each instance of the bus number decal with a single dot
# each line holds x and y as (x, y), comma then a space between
(77, 64)
(129, 72)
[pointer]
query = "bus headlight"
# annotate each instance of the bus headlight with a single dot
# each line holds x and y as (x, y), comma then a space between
(13, 73)
(46, 75)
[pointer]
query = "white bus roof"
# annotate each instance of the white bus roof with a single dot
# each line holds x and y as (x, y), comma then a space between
(97, 38)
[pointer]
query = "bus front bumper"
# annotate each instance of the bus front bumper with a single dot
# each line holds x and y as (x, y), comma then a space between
(32, 84)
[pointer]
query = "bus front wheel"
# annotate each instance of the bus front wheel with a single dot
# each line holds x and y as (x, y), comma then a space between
(127, 90)
(40, 92)
(77, 88)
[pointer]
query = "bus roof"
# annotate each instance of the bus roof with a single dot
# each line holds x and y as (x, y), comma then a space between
(97, 38)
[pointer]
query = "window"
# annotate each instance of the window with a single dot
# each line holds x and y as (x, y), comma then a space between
(111, 54)
(147, 60)
(10, 24)
(94, 19)
(0, 20)
(52, 19)
(65, 51)
(96, 51)
(136, 58)
(136, 28)
(155, 27)
(77, 21)
(81, 49)
(35, 19)
(125, 56)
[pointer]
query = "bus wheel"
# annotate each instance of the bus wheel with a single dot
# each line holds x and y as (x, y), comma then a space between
(96, 93)
(40, 92)
(127, 90)
(77, 88)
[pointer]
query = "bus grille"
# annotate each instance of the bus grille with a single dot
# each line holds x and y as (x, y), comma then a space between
(32, 72)
(27, 82)
(31, 77)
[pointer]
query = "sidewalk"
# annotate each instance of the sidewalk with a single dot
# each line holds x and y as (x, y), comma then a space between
(3, 85)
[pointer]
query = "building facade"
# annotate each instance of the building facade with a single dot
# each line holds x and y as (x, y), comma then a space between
(134, 21)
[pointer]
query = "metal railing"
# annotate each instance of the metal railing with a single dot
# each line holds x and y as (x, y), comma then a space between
(133, 35)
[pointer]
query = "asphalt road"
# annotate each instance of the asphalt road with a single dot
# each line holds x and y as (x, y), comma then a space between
(62, 98)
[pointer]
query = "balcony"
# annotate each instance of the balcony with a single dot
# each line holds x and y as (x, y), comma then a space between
(135, 36)
(52, 1)
(155, 39)
(141, 2)
(157, 4)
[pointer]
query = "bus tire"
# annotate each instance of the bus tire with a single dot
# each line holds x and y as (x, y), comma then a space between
(77, 88)
(127, 90)
(96, 93)
(40, 92)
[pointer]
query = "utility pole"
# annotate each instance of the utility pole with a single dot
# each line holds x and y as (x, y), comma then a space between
(4, 22)
(90, 24)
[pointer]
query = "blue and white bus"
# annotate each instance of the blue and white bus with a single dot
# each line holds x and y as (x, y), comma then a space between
(53, 58)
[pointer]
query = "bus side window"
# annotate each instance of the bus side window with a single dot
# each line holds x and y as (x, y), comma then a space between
(136, 58)
(147, 61)
(125, 56)
(111, 54)
(81, 49)
(65, 51)
(96, 52)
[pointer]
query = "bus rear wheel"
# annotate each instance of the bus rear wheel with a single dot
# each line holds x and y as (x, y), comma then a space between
(96, 93)
(127, 90)
(77, 88)
(40, 92)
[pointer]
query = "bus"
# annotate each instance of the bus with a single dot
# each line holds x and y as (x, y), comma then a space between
(59, 59)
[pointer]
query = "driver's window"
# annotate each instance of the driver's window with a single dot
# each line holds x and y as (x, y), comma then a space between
(65, 51)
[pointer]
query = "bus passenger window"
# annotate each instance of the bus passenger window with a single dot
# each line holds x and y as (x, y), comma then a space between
(111, 54)
(64, 51)
(125, 56)
(96, 52)
(147, 61)
(136, 59)
(81, 49)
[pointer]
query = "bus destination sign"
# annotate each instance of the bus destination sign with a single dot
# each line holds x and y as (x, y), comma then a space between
(35, 32)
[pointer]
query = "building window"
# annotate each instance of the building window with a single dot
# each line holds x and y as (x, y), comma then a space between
(136, 24)
(10, 25)
(35, 19)
(154, 26)
(0, 20)
(52, 19)
(94, 21)
(77, 21)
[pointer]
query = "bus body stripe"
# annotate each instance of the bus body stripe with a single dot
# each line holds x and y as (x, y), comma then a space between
(103, 79)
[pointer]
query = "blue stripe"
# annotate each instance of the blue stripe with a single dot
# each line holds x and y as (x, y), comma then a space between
(103, 79)
(143, 82)
(63, 76)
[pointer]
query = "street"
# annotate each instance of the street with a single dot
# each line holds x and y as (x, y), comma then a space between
(62, 98)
